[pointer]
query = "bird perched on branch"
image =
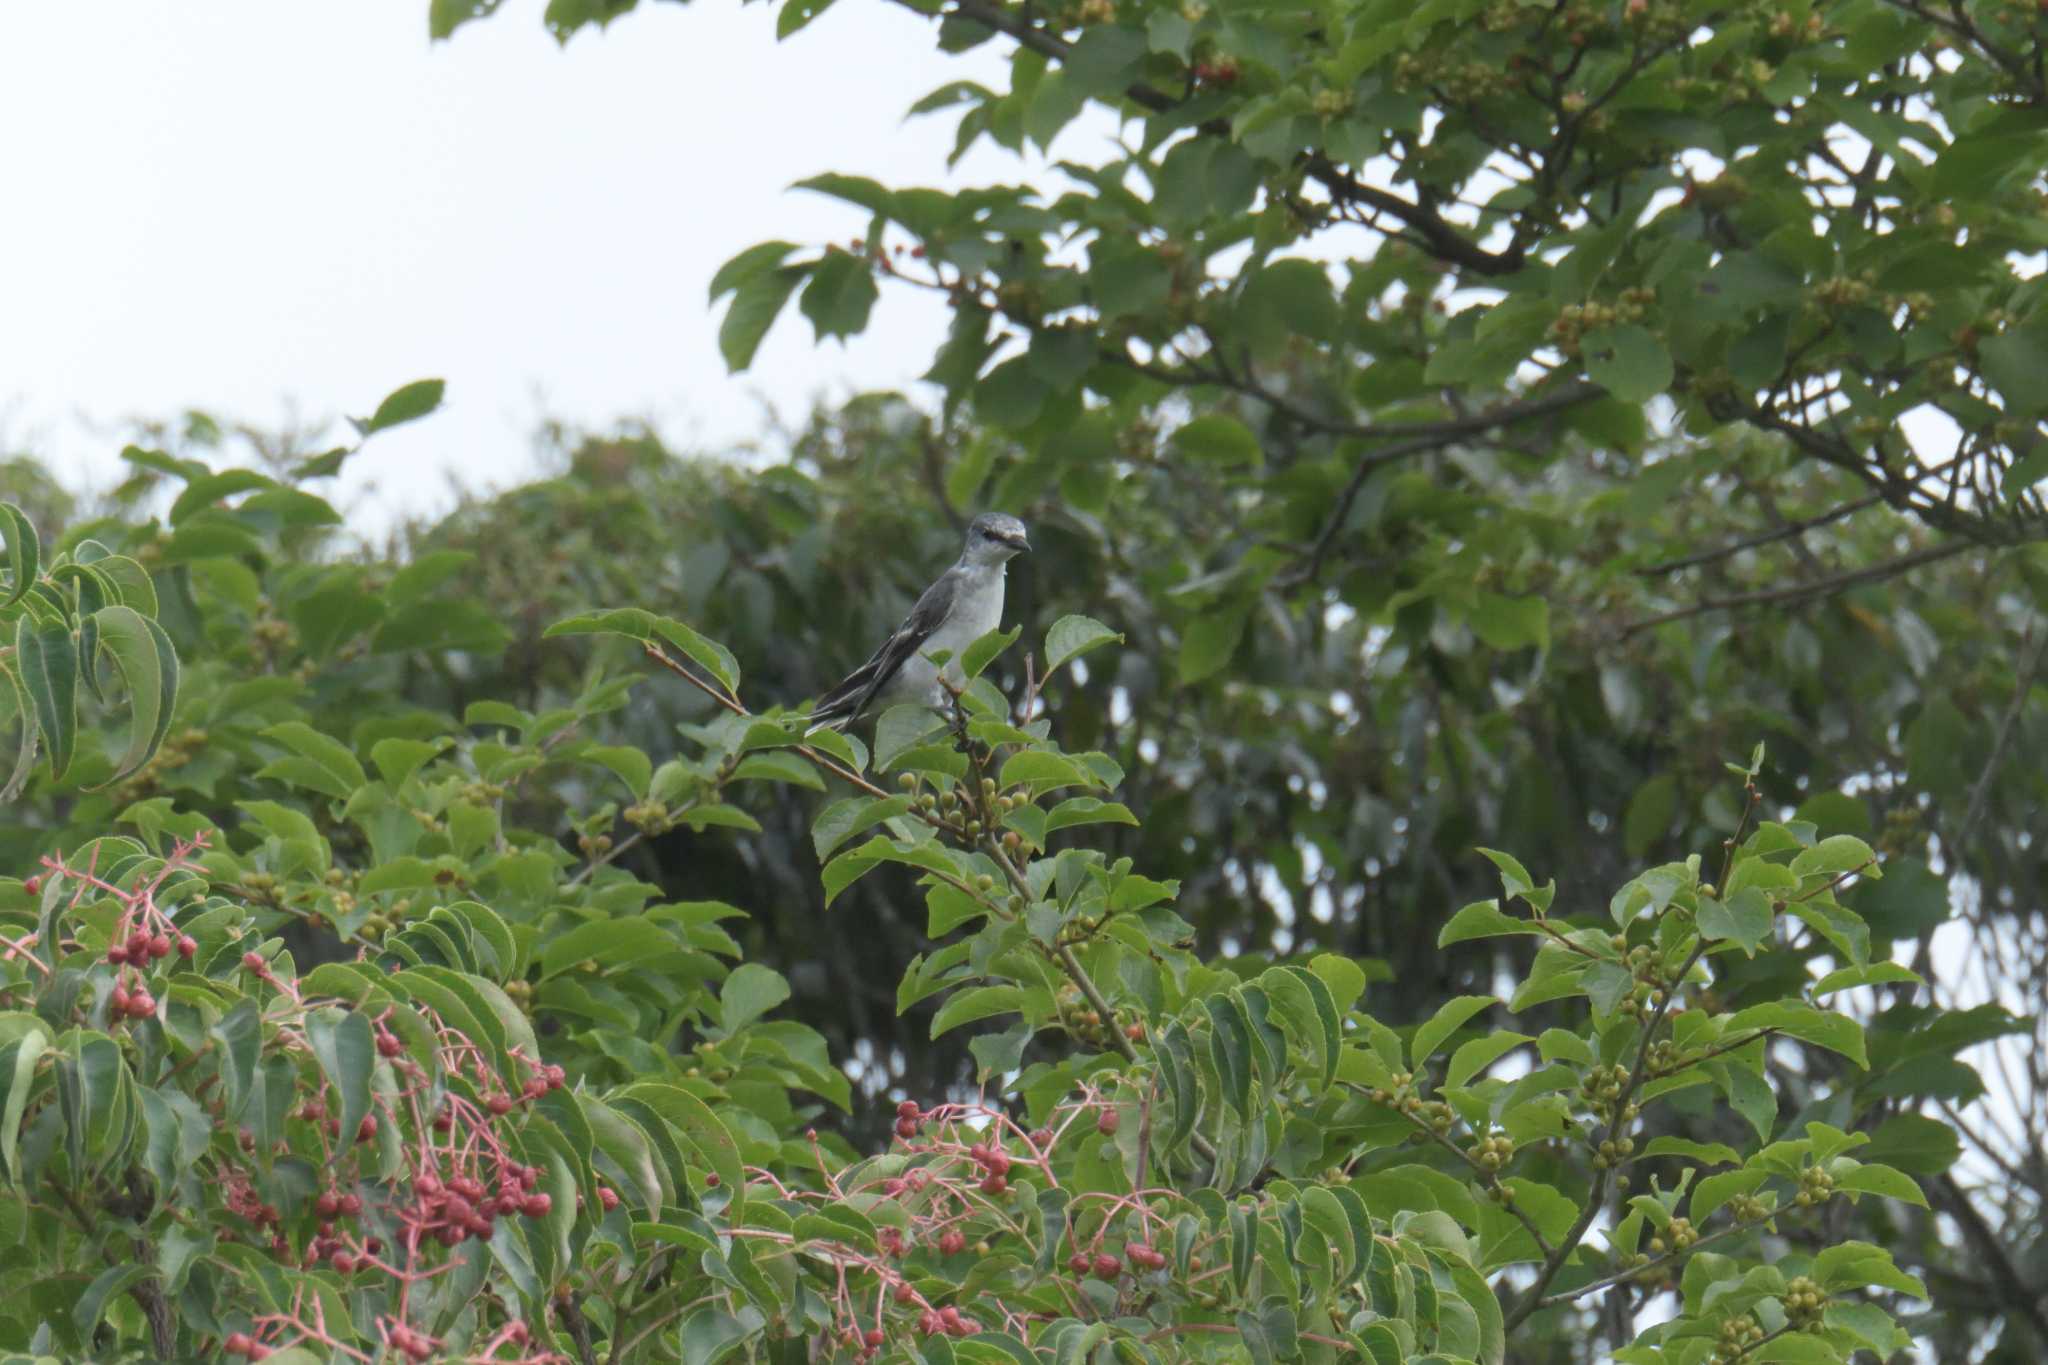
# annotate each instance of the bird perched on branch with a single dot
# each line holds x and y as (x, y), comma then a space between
(965, 604)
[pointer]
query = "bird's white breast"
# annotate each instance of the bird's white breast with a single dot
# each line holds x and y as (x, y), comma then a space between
(976, 611)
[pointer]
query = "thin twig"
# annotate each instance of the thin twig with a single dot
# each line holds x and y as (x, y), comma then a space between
(1804, 591)
(2022, 688)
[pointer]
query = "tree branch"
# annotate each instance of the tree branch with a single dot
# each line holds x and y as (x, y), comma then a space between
(1799, 592)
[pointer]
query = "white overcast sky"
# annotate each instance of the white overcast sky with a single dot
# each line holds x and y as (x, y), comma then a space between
(269, 207)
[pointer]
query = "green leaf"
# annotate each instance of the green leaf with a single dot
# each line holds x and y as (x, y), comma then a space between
(92, 1304)
(1859, 1265)
(1482, 919)
(839, 296)
(1835, 856)
(332, 756)
(1208, 641)
(24, 552)
(983, 652)
(1835, 1032)
(848, 816)
(1915, 1143)
(240, 1034)
(341, 1041)
(1744, 918)
(1087, 810)
(1073, 636)
(1870, 974)
(980, 1002)
(407, 404)
(1217, 439)
(148, 665)
(1448, 1019)
(754, 261)
(1510, 623)
(1871, 1178)
(1514, 878)
(752, 311)
(1230, 1049)
(704, 1130)
(47, 657)
(17, 1069)
(710, 1334)
(750, 992)
(1475, 1056)
(796, 14)
(1627, 361)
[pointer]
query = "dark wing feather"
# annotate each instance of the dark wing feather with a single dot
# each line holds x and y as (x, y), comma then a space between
(846, 701)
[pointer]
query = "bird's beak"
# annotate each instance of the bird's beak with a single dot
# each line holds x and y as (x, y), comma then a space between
(1018, 543)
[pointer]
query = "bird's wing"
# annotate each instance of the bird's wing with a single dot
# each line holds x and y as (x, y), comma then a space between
(851, 696)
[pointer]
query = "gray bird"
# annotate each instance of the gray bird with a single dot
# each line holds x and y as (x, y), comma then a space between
(965, 604)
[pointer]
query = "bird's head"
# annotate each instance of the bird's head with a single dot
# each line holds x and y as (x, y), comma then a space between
(993, 537)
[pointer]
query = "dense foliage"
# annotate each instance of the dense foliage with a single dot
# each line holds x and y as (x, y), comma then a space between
(532, 1109)
(1443, 428)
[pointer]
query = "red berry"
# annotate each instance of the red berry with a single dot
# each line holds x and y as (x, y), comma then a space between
(32, 885)
(373, 1245)
(907, 1109)
(950, 1316)
(139, 946)
(351, 1205)
(328, 1204)
(536, 1205)
(388, 1045)
(928, 1323)
(258, 1351)
(1106, 1266)
(1042, 1138)
(237, 1344)
(1079, 1263)
(607, 1197)
(344, 1263)
(141, 1005)
(874, 1338)
(118, 954)
(187, 945)
(998, 1163)
(904, 1293)
(367, 1129)
(427, 1184)
(556, 1077)
(119, 1000)
(1140, 1255)
(499, 1104)
(711, 1181)
(951, 1242)
(994, 1184)
(160, 945)
(443, 1121)
(1106, 1122)
(253, 961)
(906, 1128)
